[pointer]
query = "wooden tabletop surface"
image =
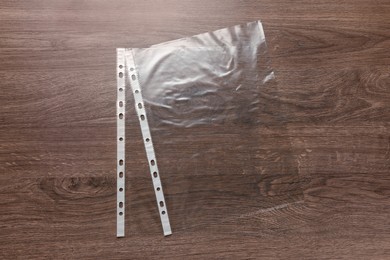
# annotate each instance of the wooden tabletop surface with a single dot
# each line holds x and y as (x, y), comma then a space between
(58, 135)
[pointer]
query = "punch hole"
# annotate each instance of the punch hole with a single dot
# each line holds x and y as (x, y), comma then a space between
(120, 138)
(147, 139)
(161, 203)
(158, 189)
(137, 91)
(120, 116)
(120, 162)
(155, 174)
(121, 175)
(120, 89)
(142, 117)
(133, 77)
(120, 103)
(121, 204)
(139, 105)
(152, 162)
(121, 74)
(120, 189)
(120, 66)
(120, 213)
(163, 212)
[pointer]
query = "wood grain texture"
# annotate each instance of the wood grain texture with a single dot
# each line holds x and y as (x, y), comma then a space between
(58, 136)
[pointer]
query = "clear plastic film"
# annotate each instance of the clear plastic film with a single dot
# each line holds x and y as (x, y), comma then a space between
(217, 127)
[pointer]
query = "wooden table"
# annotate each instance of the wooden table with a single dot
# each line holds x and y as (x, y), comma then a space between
(58, 133)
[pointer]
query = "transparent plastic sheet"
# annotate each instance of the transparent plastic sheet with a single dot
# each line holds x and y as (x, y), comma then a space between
(218, 129)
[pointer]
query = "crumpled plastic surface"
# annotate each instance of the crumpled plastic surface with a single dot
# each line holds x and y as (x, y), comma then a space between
(210, 78)
(217, 126)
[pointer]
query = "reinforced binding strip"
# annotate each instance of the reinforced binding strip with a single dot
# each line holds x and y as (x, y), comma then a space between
(147, 139)
(120, 114)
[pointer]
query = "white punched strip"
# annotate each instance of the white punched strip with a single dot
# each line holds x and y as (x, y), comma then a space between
(155, 174)
(120, 115)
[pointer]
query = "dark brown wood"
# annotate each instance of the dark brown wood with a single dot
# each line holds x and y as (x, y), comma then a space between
(58, 136)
